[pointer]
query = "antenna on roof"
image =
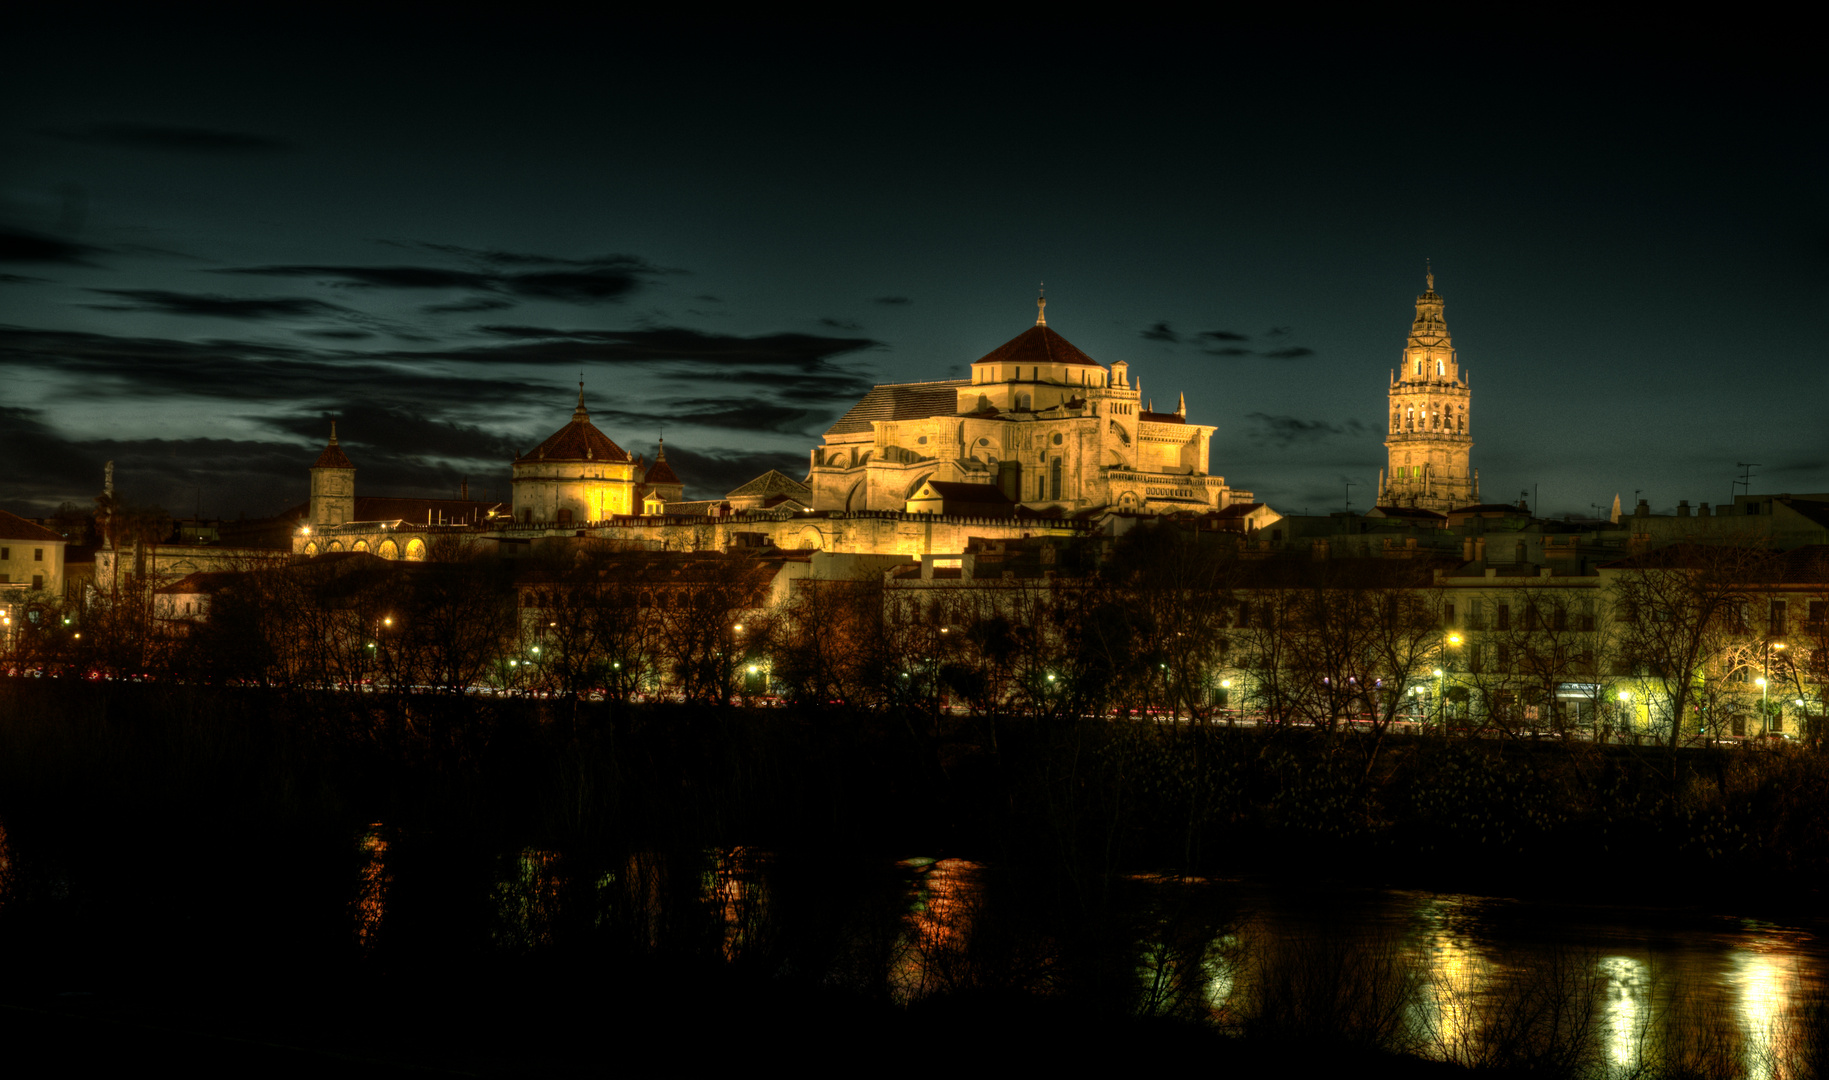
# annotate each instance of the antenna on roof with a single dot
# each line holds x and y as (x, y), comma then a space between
(1041, 304)
(1746, 477)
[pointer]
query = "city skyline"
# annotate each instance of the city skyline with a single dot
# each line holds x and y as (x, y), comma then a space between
(218, 238)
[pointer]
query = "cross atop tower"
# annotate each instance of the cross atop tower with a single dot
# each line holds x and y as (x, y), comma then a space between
(1041, 305)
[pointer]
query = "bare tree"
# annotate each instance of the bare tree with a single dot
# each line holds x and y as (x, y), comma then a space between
(1681, 610)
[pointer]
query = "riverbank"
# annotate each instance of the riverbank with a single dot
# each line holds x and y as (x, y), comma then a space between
(1083, 802)
(498, 886)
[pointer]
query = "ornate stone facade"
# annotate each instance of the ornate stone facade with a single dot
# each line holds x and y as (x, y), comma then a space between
(1051, 428)
(1430, 441)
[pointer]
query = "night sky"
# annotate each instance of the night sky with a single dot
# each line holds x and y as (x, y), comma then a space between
(219, 231)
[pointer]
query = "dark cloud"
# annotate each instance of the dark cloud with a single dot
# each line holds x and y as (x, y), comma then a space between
(841, 324)
(574, 281)
(479, 304)
(1221, 335)
(213, 306)
(1294, 352)
(21, 279)
(709, 299)
(730, 414)
(1230, 350)
(1161, 332)
(134, 367)
(378, 277)
(892, 300)
(338, 335)
(370, 432)
(20, 246)
(226, 475)
(534, 344)
(183, 140)
(1286, 431)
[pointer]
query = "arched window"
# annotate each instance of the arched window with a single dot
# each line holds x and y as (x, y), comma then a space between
(1396, 421)
(1419, 367)
(1441, 369)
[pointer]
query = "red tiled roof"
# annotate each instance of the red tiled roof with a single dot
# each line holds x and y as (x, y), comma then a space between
(661, 472)
(333, 457)
(14, 527)
(577, 441)
(1037, 345)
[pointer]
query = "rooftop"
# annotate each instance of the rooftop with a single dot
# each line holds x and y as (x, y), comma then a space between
(900, 401)
(1038, 345)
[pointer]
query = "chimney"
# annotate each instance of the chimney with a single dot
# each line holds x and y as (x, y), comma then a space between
(1703, 511)
(463, 490)
(1479, 549)
(1467, 549)
(1643, 509)
(1683, 508)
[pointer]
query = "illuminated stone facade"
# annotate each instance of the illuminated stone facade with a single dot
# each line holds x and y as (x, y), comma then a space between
(577, 476)
(1430, 441)
(1051, 428)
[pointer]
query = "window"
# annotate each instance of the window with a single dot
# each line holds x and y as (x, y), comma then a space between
(1819, 613)
(565, 516)
(1474, 613)
(1775, 622)
(1502, 618)
(1448, 614)
(37, 554)
(6, 579)
(1054, 477)
(37, 581)
(6, 553)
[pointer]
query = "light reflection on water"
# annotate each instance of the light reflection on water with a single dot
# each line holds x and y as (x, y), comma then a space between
(372, 881)
(1664, 988)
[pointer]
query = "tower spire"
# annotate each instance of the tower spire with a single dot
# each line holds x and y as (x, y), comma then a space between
(1041, 304)
(1428, 274)
(580, 412)
(333, 433)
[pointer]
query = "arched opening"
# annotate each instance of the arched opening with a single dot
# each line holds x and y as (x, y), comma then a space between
(334, 545)
(854, 498)
(359, 545)
(415, 550)
(388, 549)
(311, 547)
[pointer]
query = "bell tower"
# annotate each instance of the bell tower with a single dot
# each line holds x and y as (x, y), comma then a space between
(1429, 440)
(333, 485)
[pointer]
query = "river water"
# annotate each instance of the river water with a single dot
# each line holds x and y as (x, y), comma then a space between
(1480, 980)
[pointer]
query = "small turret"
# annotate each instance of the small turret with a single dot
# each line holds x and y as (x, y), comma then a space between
(333, 485)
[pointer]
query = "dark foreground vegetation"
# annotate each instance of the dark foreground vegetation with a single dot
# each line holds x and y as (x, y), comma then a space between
(504, 885)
